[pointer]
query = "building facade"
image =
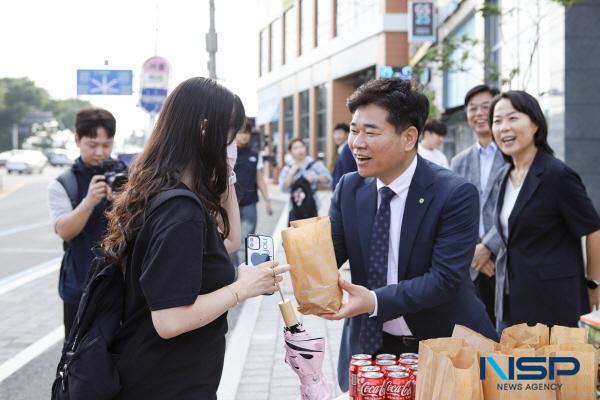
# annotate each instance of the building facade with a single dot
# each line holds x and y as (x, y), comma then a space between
(540, 46)
(312, 55)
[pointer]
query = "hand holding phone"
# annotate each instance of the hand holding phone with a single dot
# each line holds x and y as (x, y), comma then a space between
(259, 249)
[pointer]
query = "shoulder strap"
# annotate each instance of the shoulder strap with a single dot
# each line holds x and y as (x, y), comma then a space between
(69, 181)
(310, 164)
(163, 197)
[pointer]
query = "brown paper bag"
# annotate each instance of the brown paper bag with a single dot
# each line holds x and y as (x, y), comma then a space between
(443, 366)
(524, 335)
(309, 250)
(474, 339)
(563, 334)
(494, 388)
(581, 386)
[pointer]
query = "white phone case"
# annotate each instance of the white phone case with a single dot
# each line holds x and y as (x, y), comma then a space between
(259, 249)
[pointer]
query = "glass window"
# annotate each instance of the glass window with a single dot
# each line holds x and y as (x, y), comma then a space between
(323, 21)
(304, 116)
(288, 120)
(462, 76)
(263, 67)
(321, 97)
(306, 25)
(291, 38)
(276, 43)
(354, 13)
(274, 141)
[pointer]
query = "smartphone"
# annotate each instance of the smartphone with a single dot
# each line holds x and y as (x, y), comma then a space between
(259, 249)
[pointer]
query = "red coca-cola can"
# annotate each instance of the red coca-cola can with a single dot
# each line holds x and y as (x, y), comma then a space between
(409, 355)
(413, 369)
(398, 386)
(385, 357)
(371, 386)
(394, 368)
(385, 363)
(368, 368)
(407, 362)
(353, 377)
(362, 357)
(413, 378)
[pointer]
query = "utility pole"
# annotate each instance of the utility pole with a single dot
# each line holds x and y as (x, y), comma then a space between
(211, 44)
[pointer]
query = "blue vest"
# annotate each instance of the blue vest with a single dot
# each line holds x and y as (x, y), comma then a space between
(78, 254)
(245, 171)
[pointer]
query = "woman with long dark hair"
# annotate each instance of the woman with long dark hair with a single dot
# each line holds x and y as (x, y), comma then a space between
(179, 280)
(542, 213)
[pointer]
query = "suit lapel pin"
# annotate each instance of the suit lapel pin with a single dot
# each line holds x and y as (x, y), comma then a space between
(421, 200)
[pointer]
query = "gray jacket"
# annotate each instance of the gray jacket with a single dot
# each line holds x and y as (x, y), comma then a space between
(466, 164)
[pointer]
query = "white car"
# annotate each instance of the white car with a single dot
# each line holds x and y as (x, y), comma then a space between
(4, 156)
(60, 157)
(26, 161)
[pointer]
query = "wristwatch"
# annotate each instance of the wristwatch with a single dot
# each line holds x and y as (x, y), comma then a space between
(592, 284)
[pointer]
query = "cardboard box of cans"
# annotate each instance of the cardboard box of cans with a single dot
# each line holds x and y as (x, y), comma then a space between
(383, 377)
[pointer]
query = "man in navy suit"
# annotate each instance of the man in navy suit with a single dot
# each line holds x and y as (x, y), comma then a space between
(345, 162)
(409, 229)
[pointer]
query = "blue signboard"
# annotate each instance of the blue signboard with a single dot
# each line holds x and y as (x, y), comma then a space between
(152, 99)
(104, 81)
(396, 72)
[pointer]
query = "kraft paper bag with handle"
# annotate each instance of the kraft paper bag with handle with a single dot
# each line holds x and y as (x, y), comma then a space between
(309, 250)
(474, 339)
(432, 356)
(563, 334)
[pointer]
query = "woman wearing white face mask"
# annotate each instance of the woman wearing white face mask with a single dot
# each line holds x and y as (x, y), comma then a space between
(543, 211)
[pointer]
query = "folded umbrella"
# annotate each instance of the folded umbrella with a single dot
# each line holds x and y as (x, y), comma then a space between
(305, 355)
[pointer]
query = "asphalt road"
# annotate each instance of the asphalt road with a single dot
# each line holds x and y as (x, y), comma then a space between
(27, 240)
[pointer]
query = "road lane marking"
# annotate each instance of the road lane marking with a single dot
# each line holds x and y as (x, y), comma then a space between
(32, 351)
(237, 348)
(21, 278)
(23, 228)
(10, 190)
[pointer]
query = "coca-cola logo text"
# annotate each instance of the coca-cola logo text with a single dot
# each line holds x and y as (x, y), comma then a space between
(372, 389)
(402, 390)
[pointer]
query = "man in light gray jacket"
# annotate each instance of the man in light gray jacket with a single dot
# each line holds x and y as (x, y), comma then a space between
(482, 164)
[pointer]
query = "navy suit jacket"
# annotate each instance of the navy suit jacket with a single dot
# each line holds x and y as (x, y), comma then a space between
(344, 164)
(440, 228)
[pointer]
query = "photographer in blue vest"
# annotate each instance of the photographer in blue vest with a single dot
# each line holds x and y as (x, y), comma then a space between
(77, 200)
(249, 172)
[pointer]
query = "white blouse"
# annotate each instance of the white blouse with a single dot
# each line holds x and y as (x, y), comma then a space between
(510, 198)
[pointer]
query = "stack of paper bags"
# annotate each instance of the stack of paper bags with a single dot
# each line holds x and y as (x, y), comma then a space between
(448, 363)
(309, 250)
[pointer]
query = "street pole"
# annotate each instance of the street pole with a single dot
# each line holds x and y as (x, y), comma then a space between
(15, 137)
(211, 44)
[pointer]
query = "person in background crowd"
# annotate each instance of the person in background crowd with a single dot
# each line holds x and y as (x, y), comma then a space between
(80, 221)
(303, 165)
(179, 280)
(409, 229)
(481, 164)
(434, 133)
(543, 212)
(250, 180)
(345, 162)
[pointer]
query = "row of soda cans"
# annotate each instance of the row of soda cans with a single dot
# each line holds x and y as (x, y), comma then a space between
(385, 377)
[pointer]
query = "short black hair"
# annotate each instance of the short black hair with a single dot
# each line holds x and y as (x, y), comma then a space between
(480, 89)
(88, 120)
(527, 104)
(405, 105)
(342, 126)
(435, 126)
(246, 127)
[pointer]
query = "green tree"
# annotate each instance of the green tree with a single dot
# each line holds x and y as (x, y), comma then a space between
(65, 110)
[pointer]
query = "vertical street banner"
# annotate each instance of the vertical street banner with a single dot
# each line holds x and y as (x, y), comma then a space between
(421, 15)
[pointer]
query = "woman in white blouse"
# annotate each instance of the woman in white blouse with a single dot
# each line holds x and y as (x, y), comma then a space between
(543, 211)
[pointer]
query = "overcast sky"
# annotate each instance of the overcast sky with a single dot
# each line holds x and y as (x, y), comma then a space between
(48, 40)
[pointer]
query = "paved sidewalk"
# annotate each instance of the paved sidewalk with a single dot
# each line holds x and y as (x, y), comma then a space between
(265, 375)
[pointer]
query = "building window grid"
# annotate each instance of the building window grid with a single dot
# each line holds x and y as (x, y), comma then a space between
(290, 35)
(276, 43)
(288, 120)
(306, 25)
(304, 116)
(323, 21)
(351, 14)
(321, 97)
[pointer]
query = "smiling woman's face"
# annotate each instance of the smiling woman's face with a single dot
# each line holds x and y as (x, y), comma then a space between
(513, 130)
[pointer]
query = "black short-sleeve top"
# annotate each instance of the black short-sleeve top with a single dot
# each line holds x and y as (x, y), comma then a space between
(178, 255)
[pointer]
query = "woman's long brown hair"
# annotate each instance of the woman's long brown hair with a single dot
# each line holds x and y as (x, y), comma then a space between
(198, 120)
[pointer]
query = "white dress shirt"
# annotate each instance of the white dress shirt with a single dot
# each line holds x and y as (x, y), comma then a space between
(435, 156)
(486, 160)
(400, 185)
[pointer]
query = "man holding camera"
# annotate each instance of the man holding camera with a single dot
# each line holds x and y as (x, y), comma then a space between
(77, 200)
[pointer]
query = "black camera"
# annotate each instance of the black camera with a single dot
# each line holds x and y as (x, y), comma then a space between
(115, 173)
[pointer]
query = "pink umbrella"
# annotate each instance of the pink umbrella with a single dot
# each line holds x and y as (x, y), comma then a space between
(305, 355)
